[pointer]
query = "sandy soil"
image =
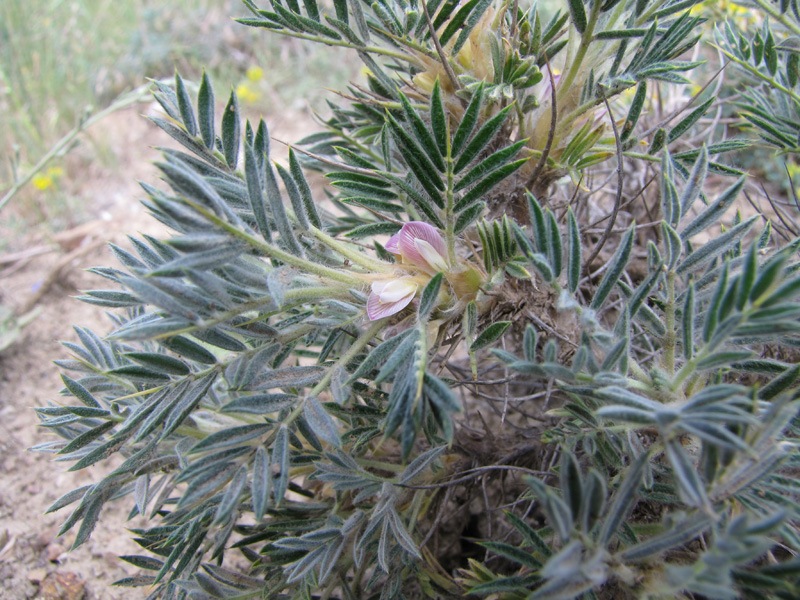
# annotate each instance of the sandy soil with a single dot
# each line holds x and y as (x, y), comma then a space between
(34, 563)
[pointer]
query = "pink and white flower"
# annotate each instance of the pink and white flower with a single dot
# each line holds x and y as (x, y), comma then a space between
(419, 245)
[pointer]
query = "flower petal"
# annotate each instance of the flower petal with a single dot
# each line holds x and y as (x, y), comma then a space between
(379, 309)
(417, 230)
(391, 245)
(396, 290)
(431, 256)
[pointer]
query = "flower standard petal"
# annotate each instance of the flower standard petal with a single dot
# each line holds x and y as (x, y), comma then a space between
(409, 242)
(389, 297)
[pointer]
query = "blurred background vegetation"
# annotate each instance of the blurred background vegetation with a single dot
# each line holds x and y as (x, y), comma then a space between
(61, 60)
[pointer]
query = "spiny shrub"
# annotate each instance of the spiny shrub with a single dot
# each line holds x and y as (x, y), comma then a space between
(460, 367)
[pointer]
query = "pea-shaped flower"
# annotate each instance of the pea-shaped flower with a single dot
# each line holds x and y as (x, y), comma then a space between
(419, 245)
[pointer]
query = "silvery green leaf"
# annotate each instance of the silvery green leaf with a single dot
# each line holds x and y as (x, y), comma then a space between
(670, 206)
(517, 555)
(714, 433)
(340, 389)
(430, 295)
(578, 15)
(231, 131)
(90, 516)
(287, 237)
(593, 501)
(419, 464)
(675, 536)
(80, 392)
(189, 349)
(714, 247)
(309, 208)
(279, 467)
(747, 277)
(573, 252)
(694, 184)
(68, 499)
(687, 324)
(230, 500)
(554, 244)
(152, 295)
(714, 211)
(401, 352)
(206, 484)
(321, 422)
(623, 500)
(205, 110)
(255, 192)
(529, 342)
(690, 486)
(186, 404)
(468, 121)
(481, 139)
(288, 377)
(780, 384)
(140, 493)
(627, 414)
(628, 398)
(231, 436)
(617, 265)
(87, 437)
(570, 479)
(379, 354)
(489, 335)
(672, 244)
(159, 362)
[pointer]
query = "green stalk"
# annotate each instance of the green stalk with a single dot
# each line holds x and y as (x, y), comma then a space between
(670, 339)
(586, 41)
(277, 253)
(755, 72)
(356, 347)
(351, 353)
(358, 258)
(770, 10)
(133, 97)
(345, 44)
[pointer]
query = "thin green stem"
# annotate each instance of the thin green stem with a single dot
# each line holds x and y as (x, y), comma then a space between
(752, 70)
(770, 10)
(132, 98)
(277, 253)
(355, 257)
(345, 44)
(670, 339)
(356, 347)
(576, 63)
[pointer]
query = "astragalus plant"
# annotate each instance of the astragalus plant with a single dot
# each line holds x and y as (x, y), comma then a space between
(460, 367)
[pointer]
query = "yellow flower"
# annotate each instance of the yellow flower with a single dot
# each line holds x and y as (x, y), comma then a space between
(255, 73)
(55, 172)
(42, 182)
(245, 94)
